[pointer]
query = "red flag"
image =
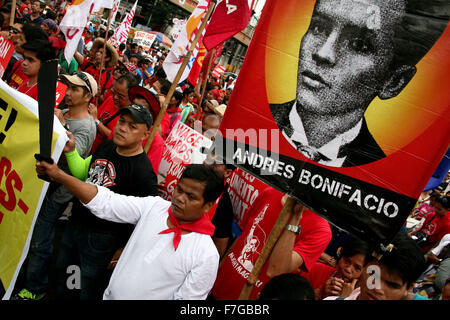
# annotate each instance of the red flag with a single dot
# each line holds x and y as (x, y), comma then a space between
(197, 67)
(217, 53)
(227, 20)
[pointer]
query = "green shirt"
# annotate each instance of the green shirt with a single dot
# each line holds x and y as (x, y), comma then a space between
(63, 63)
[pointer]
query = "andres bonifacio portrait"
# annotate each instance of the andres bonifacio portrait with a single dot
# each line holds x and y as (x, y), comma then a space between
(353, 52)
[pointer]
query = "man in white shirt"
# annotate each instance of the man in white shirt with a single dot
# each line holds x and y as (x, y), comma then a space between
(157, 264)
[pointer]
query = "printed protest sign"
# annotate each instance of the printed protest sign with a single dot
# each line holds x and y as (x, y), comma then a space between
(183, 146)
(21, 192)
(346, 107)
(144, 39)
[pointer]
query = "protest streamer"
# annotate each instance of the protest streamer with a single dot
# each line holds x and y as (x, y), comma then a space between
(365, 182)
(121, 33)
(177, 78)
(72, 25)
(267, 249)
(21, 192)
(183, 45)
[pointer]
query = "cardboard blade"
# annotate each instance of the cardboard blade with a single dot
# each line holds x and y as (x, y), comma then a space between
(46, 89)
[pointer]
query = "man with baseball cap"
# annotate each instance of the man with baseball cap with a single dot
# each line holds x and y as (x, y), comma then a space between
(81, 87)
(122, 166)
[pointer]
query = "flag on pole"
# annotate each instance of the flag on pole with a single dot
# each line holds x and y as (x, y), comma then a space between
(73, 23)
(197, 67)
(227, 20)
(121, 33)
(99, 4)
(181, 46)
(218, 71)
(115, 8)
(211, 57)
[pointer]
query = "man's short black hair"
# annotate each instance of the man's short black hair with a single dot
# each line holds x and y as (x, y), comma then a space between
(165, 86)
(406, 259)
(444, 201)
(44, 51)
(213, 181)
(32, 32)
(129, 78)
(287, 286)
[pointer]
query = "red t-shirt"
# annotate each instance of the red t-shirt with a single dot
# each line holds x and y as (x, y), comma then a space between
(155, 152)
(435, 227)
(318, 274)
(90, 68)
(239, 261)
(18, 77)
(29, 91)
(105, 111)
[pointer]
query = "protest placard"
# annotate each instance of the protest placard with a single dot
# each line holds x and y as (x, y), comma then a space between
(348, 119)
(21, 192)
(6, 52)
(144, 39)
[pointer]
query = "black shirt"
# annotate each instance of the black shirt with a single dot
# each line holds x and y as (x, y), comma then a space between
(223, 217)
(133, 176)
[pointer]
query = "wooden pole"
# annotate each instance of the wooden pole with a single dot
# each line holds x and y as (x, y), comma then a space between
(102, 61)
(13, 13)
(213, 52)
(267, 249)
(174, 85)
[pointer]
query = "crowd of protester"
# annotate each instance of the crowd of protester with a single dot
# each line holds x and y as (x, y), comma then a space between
(112, 228)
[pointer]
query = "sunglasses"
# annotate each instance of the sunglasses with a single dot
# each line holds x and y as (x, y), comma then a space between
(83, 77)
(14, 30)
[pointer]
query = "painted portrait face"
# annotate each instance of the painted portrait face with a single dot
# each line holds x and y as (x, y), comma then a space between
(346, 53)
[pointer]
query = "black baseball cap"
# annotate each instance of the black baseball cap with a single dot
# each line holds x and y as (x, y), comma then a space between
(139, 113)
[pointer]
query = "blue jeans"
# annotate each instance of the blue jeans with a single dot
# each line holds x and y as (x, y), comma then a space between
(41, 246)
(91, 252)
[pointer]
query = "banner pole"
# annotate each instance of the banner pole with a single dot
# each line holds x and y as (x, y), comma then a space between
(102, 61)
(267, 249)
(213, 52)
(174, 85)
(13, 13)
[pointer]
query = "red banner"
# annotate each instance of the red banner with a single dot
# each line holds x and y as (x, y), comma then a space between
(6, 52)
(228, 18)
(345, 116)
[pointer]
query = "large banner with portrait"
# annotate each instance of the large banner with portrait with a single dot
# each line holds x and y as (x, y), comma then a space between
(21, 191)
(346, 106)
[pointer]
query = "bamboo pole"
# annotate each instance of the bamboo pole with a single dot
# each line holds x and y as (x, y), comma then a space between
(169, 95)
(102, 61)
(267, 249)
(13, 13)
(205, 81)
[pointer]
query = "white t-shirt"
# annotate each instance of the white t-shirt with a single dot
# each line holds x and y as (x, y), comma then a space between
(149, 267)
(444, 241)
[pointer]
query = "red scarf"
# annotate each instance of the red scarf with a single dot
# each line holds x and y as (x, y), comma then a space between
(202, 225)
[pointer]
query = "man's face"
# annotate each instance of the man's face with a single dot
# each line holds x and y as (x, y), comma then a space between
(16, 35)
(120, 95)
(128, 133)
(30, 64)
(75, 96)
(36, 7)
(440, 210)
(210, 126)
(345, 55)
(391, 285)
(188, 204)
(134, 61)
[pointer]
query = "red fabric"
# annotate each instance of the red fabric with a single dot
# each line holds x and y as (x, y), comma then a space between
(225, 22)
(155, 152)
(29, 91)
(239, 261)
(197, 67)
(210, 56)
(95, 72)
(435, 229)
(18, 78)
(165, 124)
(104, 112)
(318, 274)
(202, 225)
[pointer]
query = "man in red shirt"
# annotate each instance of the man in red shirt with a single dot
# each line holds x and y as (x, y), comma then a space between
(105, 116)
(292, 251)
(35, 52)
(92, 65)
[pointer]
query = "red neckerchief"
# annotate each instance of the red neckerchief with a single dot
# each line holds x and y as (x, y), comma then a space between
(203, 226)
